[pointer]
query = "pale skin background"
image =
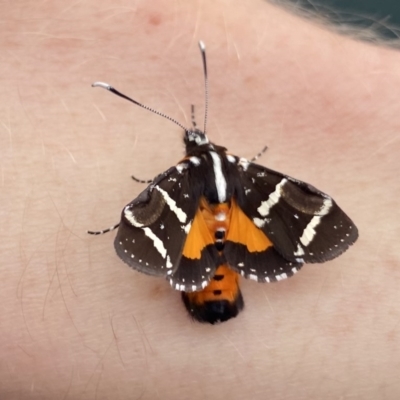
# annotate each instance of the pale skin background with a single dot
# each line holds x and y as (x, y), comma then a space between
(76, 322)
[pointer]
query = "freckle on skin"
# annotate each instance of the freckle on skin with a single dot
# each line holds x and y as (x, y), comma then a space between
(155, 19)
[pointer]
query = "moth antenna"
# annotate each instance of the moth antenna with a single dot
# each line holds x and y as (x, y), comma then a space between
(193, 117)
(115, 91)
(103, 231)
(203, 55)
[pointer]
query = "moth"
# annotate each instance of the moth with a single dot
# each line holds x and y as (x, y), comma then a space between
(215, 216)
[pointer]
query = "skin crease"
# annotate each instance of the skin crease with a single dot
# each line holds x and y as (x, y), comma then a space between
(76, 323)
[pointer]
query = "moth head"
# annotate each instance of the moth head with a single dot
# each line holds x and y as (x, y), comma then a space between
(195, 137)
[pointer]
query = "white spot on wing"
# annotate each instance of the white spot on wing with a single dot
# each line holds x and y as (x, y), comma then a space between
(326, 207)
(299, 251)
(273, 199)
(281, 276)
(259, 222)
(309, 232)
(180, 214)
(253, 277)
(244, 163)
(130, 217)
(157, 242)
(180, 168)
(187, 227)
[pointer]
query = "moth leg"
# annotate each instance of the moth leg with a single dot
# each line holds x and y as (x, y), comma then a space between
(103, 231)
(141, 180)
(256, 157)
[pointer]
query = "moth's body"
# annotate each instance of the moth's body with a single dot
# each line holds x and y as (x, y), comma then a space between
(214, 216)
(221, 299)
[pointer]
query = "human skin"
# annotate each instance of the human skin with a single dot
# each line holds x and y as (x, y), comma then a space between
(76, 322)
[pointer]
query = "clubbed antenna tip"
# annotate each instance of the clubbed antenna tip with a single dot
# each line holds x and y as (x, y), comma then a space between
(203, 55)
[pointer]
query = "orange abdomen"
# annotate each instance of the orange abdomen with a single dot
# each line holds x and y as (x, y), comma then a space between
(221, 299)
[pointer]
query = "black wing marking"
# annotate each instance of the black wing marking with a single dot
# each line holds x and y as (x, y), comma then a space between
(195, 274)
(265, 266)
(249, 252)
(303, 223)
(154, 228)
